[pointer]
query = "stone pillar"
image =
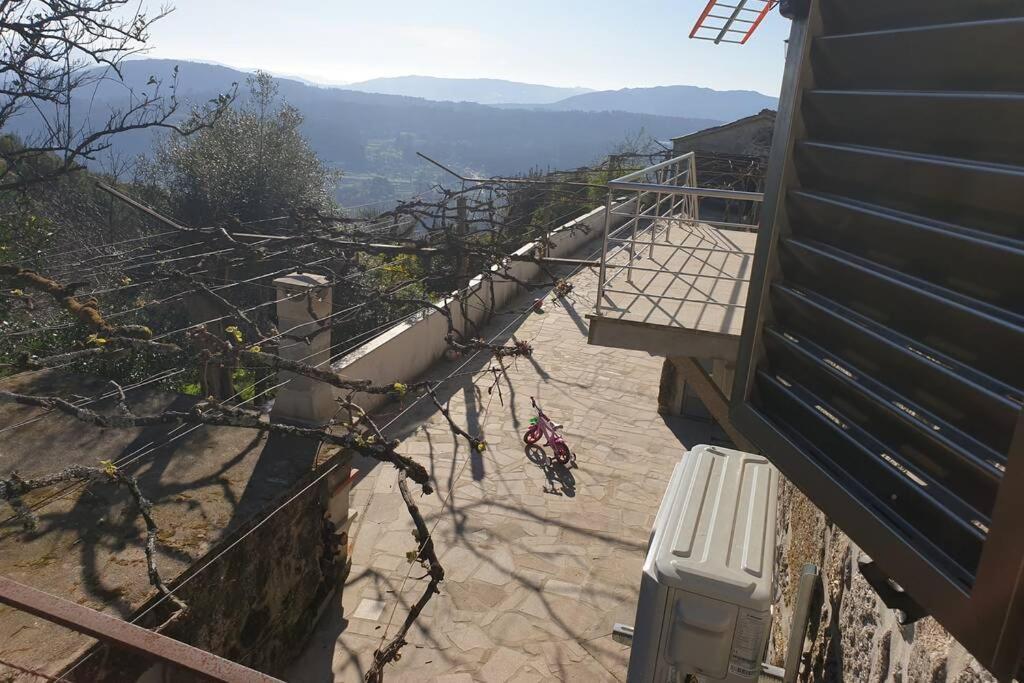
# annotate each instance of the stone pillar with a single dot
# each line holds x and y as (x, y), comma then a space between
(671, 389)
(306, 299)
(303, 300)
(340, 516)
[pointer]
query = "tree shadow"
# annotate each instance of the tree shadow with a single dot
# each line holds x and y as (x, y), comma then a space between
(103, 519)
(570, 308)
(474, 427)
(544, 374)
(190, 473)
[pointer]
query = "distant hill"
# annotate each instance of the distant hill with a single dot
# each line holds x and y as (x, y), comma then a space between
(374, 138)
(479, 90)
(669, 100)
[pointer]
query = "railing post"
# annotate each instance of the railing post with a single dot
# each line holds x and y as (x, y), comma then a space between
(303, 300)
(604, 251)
(695, 201)
(654, 223)
(672, 201)
(632, 240)
(677, 199)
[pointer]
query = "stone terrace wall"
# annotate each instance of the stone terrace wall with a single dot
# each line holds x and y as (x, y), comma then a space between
(856, 637)
(255, 605)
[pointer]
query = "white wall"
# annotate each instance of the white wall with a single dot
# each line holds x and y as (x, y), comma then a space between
(407, 350)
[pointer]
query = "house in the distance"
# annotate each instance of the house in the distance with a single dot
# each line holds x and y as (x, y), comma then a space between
(750, 136)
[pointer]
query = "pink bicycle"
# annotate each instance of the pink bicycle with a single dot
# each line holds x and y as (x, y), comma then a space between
(542, 426)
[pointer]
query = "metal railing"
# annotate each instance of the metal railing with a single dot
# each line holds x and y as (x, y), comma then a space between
(657, 200)
(180, 658)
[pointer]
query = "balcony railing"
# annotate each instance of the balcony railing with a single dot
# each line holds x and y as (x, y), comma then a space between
(672, 257)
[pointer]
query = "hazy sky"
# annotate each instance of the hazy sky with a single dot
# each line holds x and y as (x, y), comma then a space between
(592, 43)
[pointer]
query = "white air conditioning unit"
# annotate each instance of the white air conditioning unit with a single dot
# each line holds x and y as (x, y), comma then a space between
(706, 589)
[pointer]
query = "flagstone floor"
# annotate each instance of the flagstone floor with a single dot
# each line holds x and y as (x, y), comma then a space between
(540, 561)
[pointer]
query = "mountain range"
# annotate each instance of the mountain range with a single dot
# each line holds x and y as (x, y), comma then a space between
(669, 100)
(373, 138)
(479, 90)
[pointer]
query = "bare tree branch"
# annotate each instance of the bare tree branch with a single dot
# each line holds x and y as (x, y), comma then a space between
(427, 556)
(53, 52)
(220, 415)
(87, 311)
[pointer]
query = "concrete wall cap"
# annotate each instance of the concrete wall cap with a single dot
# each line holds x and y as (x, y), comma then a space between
(301, 281)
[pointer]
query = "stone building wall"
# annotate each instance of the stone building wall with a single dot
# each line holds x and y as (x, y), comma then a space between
(751, 136)
(853, 636)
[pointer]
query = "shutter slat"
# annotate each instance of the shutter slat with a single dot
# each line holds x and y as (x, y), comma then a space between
(915, 438)
(840, 444)
(989, 409)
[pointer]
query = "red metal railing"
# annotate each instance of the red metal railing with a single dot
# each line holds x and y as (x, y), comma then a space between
(126, 635)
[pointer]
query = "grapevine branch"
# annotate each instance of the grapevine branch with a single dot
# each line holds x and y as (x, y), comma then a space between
(86, 311)
(426, 555)
(217, 414)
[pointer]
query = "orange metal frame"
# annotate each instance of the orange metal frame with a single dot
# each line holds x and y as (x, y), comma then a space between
(757, 22)
(739, 3)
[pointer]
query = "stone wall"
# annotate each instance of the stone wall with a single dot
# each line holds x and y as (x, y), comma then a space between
(256, 604)
(853, 636)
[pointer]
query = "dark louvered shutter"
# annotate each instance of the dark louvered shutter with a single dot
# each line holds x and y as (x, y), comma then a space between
(882, 364)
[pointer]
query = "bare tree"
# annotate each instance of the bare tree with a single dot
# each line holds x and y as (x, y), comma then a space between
(55, 54)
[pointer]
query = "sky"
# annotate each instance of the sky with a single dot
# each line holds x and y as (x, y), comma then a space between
(590, 43)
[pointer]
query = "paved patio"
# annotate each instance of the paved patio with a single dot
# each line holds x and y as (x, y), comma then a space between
(540, 561)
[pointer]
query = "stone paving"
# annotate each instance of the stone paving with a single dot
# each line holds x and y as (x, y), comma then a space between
(540, 561)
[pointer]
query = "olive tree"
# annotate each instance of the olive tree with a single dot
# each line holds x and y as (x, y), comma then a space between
(252, 165)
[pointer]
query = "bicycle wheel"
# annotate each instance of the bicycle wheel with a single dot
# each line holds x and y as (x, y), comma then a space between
(533, 435)
(562, 453)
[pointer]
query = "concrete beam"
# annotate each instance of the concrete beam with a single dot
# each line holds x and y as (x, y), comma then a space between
(662, 340)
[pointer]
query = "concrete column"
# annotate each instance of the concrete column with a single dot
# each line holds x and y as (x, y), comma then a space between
(339, 515)
(723, 372)
(303, 299)
(672, 390)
